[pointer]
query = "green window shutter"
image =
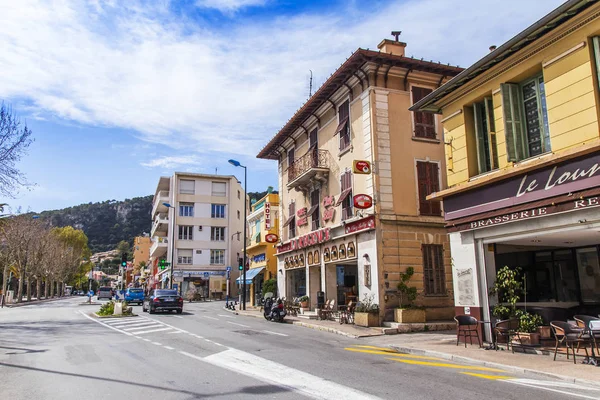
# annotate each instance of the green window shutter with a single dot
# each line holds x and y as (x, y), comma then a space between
(513, 121)
(493, 151)
(596, 43)
(480, 136)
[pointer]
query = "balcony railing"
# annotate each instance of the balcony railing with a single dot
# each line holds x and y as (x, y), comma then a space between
(313, 164)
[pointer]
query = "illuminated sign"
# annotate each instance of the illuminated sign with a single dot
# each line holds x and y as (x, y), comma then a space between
(361, 167)
(363, 201)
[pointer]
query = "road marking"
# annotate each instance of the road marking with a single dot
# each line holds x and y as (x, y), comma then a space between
(446, 365)
(137, 328)
(121, 322)
(147, 340)
(235, 323)
(490, 377)
(154, 330)
(275, 333)
(168, 348)
(583, 396)
(156, 343)
(205, 316)
(391, 353)
(120, 325)
(106, 325)
(175, 332)
(275, 373)
(226, 316)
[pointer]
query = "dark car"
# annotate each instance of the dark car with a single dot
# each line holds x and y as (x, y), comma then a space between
(163, 300)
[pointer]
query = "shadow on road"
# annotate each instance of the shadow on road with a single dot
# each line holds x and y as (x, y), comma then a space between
(24, 350)
(258, 390)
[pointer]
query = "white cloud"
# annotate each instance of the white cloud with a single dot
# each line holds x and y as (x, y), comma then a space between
(197, 89)
(170, 162)
(229, 6)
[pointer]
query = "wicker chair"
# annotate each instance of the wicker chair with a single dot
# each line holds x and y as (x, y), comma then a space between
(566, 334)
(466, 326)
(507, 329)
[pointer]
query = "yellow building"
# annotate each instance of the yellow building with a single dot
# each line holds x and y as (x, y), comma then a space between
(522, 151)
(262, 221)
(141, 253)
(355, 167)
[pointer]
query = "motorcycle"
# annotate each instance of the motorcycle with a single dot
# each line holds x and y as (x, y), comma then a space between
(274, 310)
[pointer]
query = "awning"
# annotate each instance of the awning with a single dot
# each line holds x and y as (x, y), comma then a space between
(312, 210)
(250, 275)
(343, 196)
(287, 222)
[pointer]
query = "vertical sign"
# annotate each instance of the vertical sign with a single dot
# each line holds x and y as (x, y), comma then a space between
(267, 216)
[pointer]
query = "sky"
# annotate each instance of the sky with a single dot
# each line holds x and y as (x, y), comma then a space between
(121, 92)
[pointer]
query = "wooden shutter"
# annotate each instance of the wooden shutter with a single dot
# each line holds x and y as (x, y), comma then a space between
(480, 137)
(291, 157)
(344, 110)
(428, 182)
(491, 125)
(513, 122)
(434, 273)
(424, 121)
(313, 138)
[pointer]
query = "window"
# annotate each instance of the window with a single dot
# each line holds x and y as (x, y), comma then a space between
(239, 195)
(186, 232)
(424, 122)
(434, 274)
(291, 157)
(313, 212)
(219, 189)
(485, 135)
(187, 186)
(345, 198)
(217, 233)
(217, 257)
(344, 125)
(291, 221)
(186, 209)
(428, 182)
(238, 214)
(313, 139)
(217, 211)
(184, 256)
(525, 119)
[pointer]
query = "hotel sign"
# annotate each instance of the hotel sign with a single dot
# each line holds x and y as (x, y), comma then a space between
(313, 238)
(267, 216)
(567, 177)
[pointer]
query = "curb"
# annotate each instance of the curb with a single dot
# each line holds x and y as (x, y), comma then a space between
(32, 303)
(511, 368)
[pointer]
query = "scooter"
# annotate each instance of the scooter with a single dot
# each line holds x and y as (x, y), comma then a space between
(274, 310)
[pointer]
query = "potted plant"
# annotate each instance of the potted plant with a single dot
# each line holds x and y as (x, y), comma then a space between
(528, 328)
(366, 312)
(406, 312)
(304, 301)
(508, 287)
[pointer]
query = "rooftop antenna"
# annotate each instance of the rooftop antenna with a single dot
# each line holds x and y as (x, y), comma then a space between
(216, 171)
(396, 34)
(310, 84)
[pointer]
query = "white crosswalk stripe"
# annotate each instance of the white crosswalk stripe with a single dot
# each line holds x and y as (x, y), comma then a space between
(141, 328)
(150, 331)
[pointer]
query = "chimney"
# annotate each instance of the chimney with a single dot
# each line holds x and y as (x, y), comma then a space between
(392, 46)
(492, 48)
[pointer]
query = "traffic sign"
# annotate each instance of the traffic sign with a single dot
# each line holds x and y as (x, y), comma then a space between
(228, 269)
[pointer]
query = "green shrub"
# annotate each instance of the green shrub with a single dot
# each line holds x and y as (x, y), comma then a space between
(529, 322)
(367, 305)
(107, 308)
(405, 292)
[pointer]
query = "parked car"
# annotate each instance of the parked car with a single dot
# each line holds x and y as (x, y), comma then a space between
(163, 300)
(134, 295)
(105, 293)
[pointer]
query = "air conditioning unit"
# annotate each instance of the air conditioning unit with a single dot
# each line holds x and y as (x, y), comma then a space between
(198, 251)
(200, 228)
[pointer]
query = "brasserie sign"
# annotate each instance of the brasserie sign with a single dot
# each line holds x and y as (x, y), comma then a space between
(569, 176)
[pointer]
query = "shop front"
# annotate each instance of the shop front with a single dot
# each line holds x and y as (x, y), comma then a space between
(336, 261)
(208, 284)
(545, 223)
(254, 284)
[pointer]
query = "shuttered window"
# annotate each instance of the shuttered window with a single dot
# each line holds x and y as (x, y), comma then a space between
(291, 157)
(487, 154)
(219, 189)
(292, 221)
(186, 186)
(424, 122)
(346, 195)
(184, 256)
(434, 273)
(314, 213)
(344, 125)
(429, 182)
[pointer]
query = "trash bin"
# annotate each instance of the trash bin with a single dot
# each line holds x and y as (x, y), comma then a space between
(320, 299)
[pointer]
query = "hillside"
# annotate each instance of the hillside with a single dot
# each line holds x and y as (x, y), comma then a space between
(108, 222)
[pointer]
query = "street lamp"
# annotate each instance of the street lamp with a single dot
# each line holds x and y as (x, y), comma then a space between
(237, 164)
(172, 245)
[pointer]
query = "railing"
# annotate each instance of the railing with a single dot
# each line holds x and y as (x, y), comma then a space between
(313, 159)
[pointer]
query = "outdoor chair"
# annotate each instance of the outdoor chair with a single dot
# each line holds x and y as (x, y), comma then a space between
(568, 335)
(327, 311)
(347, 313)
(507, 329)
(584, 322)
(466, 326)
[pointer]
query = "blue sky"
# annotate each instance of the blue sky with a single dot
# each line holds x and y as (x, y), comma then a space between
(118, 93)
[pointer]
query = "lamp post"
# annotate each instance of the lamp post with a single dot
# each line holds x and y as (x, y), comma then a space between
(237, 164)
(172, 245)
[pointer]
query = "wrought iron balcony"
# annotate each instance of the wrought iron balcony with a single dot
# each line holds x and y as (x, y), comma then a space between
(314, 165)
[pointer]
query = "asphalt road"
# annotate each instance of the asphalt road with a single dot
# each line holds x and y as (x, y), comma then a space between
(57, 350)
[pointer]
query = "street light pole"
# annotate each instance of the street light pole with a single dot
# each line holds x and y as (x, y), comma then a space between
(237, 164)
(172, 246)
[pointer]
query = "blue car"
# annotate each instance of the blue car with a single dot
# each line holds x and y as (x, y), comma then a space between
(134, 295)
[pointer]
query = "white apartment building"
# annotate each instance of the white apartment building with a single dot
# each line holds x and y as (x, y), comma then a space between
(196, 231)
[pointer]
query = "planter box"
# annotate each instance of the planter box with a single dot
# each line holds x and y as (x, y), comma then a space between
(531, 339)
(304, 304)
(409, 315)
(366, 319)
(545, 332)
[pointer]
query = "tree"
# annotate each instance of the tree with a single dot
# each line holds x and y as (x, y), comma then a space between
(124, 247)
(15, 138)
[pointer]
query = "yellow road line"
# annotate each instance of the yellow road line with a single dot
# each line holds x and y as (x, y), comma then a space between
(491, 377)
(446, 365)
(377, 348)
(389, 353)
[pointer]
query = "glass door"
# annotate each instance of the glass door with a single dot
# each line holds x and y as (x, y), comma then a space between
(589, 274)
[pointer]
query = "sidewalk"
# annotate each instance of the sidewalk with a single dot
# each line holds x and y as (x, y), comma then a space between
(34, 301)
(442, 344)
